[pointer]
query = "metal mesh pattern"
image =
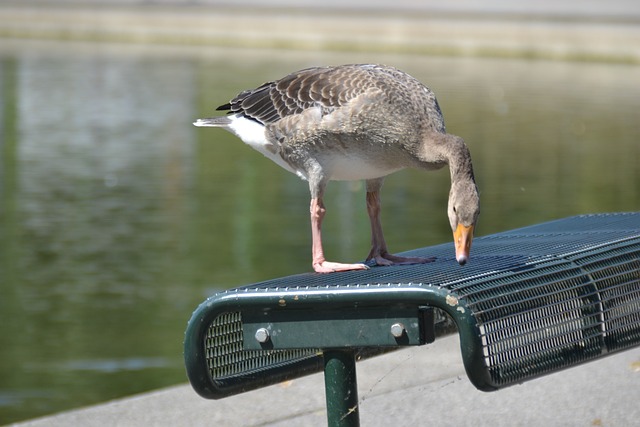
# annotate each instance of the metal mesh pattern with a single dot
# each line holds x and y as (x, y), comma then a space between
(616, 274)
(558, 313)
(545, 318)
(226, 357)
(490, 254)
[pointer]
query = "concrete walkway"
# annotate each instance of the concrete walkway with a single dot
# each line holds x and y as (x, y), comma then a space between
(412, 387)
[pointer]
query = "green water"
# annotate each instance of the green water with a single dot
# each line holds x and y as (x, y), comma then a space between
(117, 217)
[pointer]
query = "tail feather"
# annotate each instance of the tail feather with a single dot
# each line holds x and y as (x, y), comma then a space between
(222, 121)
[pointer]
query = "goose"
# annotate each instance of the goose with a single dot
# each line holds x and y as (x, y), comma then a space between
(355, 122)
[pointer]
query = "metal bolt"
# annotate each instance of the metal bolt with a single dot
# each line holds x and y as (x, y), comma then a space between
(397, 330)
(262, 335)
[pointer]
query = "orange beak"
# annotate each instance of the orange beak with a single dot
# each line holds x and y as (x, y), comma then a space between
(462, 238)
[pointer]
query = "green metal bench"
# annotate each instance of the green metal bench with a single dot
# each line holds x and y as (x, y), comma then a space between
(532, 301)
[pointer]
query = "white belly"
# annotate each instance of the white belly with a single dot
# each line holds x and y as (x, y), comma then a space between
(339, 167)
(347, 168)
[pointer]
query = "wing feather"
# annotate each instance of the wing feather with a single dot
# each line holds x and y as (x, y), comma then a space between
(325, 87)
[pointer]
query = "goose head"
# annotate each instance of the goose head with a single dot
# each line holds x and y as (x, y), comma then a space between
(463, 210)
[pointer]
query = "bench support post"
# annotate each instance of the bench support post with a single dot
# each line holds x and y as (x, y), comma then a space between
(341, 388)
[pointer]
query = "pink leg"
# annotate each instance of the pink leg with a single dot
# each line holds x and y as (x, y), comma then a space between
(379, 251)
(320, 264)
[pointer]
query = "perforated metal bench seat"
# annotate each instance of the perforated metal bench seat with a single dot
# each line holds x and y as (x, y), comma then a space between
(530, 302)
